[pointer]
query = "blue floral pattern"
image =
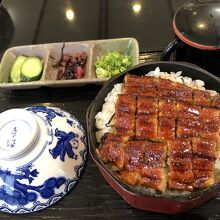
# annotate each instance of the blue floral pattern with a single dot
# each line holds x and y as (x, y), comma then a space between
(38, 206)
(50, 113)
(14, 192)
(70, 122)
(64, 146)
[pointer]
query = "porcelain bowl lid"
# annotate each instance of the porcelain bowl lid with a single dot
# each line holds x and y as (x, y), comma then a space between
(42, 154)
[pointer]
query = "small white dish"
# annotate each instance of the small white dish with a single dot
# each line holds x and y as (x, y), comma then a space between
(42, 154)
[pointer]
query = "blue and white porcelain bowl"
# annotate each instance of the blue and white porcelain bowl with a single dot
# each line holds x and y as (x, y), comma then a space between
(42, 154)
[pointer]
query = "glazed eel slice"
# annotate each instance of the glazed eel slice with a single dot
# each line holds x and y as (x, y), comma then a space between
(141, 81)
(210, 121)
(188, 120)
(143, 86)
(145, 164)
(156, 87)
(113, 150)
(146, 118)
(163, 88)
(125, 109)
(134, 154)
(216, 101)
(174, 91)
(204, 98)
(197, 121)
(204, 156)
(191, 163)
(166, 119)
(154, 172)
(180, 176)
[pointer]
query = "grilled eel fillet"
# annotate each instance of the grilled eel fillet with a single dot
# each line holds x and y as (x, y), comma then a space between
(162, 88)
(166, 135)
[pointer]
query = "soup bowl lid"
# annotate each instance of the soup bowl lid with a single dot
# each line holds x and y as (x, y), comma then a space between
(197, 23)
(42, 154)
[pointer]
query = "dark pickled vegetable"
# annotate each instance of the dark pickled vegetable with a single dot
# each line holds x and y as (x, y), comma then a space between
(70, 67)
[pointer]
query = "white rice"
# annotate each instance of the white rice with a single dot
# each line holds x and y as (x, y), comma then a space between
(108, 108)
(176, 77)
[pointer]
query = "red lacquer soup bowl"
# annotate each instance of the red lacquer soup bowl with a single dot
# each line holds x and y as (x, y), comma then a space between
(147, 200)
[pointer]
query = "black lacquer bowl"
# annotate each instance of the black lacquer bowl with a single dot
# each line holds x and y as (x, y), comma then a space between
(171, 204)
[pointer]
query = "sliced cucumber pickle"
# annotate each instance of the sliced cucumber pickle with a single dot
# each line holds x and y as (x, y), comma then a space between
(15, 74)
(31, 69)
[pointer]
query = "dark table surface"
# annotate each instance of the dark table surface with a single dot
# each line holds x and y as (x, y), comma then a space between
(24, 22)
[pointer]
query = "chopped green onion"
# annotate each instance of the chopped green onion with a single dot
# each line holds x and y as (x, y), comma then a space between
(112, 64)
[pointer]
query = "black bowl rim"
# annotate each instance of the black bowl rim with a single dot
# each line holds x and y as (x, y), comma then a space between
(132, 189)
